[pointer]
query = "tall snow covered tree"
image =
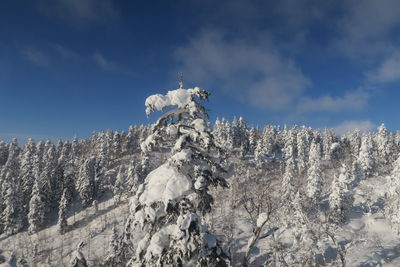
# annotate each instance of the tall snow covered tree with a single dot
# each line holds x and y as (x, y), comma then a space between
(37, 209)
(63, 212)
(366, 155)
(303, 144)
(120, 185)
(116, 145)
(11, 217)
(10, 173)
(314, 179)
(47, 179)
(3, 153)
(27, 175)
(384, 143)
(86, 184)
(223, 134)
(289, 181)
(341, 198)
(167, 209)
(392, 206)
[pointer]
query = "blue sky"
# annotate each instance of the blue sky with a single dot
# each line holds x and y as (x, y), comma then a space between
(69, 67)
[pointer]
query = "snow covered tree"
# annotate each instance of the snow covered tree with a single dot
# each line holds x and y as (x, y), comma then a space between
(223, 134)
(63, 212)
(289, 182)
(304, 247)
(120, 185)
(37, 209)
(167, 209)
(131, 140)
(357, 173)
(86, 184)
(290, 146)
(114, 250)
(341, 198)
(384, 144)
(27, 175)
(355, 143)
(314, 179)
(303, 144)
(11, 217)
(10, 175)
(116, 145)
(392, 206)
(3, 153)
(240, 132)
(48, 179)
(327, 140)
(366, 156)
(253, 138)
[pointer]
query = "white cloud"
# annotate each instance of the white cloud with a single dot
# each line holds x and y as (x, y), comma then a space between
(366, 28)
(35, 56)
(387, 71)
(65, 52)
(348, 126)
(354, 100)
(251, 71)
(108, 65)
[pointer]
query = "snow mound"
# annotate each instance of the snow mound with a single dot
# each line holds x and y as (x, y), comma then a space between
(164, 184)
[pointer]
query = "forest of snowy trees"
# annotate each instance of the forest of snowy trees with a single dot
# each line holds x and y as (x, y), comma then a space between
(194, 189)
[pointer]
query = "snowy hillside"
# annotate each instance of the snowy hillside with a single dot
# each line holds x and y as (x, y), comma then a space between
(180, 193)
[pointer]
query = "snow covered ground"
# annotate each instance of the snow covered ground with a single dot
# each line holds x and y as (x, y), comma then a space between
(367, 233)
(53, 249)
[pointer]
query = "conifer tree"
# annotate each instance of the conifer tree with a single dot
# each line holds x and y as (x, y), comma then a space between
(86, 184)
(168, 207)
(11, 217)
(116, 146)
(3, 153)
(37, 209)
(392, 206)
(341, 198)
(63, 212)
(27, 175)
(384, 144)
(120, 185)
(289, 182)
(314, 179)
(366, 156)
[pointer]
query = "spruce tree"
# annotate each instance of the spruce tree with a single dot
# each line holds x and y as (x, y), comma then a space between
(63, 213)
(37, 209)
(27, 175)
(120, 185)
(167, 209)
(11, 217)
(314, 179)
(86, 184)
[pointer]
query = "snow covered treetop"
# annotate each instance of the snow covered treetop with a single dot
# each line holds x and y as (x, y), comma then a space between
(187, 118)
(182, 98)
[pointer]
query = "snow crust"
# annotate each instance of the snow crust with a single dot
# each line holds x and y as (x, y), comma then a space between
(164, 184)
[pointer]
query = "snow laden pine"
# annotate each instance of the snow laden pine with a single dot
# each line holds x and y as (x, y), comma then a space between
(392, 207)
(314, 179)
(166, 225)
